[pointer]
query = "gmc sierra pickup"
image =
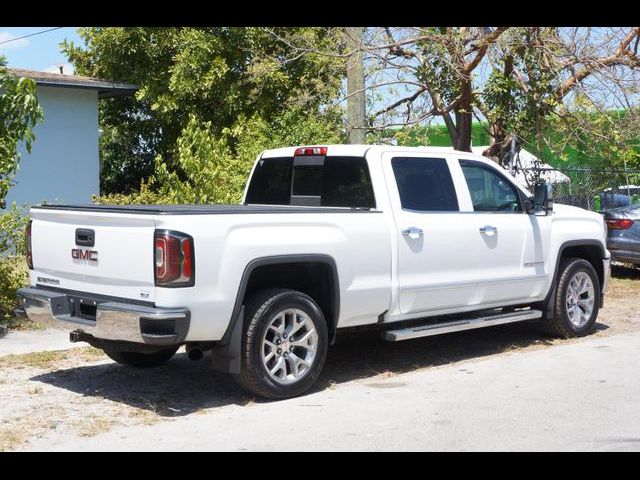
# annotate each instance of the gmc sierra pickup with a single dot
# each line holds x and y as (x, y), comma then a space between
(411, 241)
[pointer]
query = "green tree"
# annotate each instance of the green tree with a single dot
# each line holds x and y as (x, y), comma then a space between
(520, 79)
(19, 112)
(208, 76)
(210, 171)
(557, 89)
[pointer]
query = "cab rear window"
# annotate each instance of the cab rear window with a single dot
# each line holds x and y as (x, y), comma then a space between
(336, 182)
(271, 182)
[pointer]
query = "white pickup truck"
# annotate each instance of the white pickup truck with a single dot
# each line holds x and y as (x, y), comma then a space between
(410, 241)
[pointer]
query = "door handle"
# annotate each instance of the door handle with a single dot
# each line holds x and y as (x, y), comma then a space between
(489, 230)
(412, 232)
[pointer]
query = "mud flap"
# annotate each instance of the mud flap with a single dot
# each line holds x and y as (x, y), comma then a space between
(549, 309)
(226, 357)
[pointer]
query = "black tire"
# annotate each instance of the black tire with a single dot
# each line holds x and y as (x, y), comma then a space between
(142, 359)
(560, 325)
(259, 310)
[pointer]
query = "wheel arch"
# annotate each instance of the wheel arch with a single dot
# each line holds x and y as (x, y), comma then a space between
(591, 250)
(326, 293)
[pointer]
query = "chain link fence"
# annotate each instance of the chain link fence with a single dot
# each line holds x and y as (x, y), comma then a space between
(586, 187)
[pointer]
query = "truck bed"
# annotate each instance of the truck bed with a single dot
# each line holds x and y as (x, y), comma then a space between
(201, 209)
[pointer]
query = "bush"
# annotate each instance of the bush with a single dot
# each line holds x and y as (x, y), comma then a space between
(145, 196)
(207, 172)
(13, 275)
(12, 225)
(13, 270)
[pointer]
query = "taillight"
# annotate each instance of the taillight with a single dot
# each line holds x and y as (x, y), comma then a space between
(27, 246)
(619, 223)
(173, 259)
(310, 151)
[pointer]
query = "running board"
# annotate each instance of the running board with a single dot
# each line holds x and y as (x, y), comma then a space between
(459, 325)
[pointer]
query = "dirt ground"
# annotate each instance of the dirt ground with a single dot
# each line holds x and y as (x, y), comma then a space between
(82, 392)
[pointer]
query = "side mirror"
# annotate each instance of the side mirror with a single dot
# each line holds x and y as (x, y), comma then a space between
(529, 206)
(543, 198)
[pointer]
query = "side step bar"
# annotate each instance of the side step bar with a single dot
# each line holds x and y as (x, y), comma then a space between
(459, 325)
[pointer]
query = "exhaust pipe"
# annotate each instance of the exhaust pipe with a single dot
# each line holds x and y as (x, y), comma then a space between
(195, 354)
(195, 350)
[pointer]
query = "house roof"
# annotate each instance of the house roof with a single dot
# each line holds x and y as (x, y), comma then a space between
(105, 88)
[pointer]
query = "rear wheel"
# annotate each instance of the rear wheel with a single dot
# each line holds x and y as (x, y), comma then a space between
(576, 300)
(142, 359)
(284, 346)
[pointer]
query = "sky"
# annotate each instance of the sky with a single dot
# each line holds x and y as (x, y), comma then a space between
(39, 52)
(42, 52)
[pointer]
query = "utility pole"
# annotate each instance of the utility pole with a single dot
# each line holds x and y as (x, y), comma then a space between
(356, 111)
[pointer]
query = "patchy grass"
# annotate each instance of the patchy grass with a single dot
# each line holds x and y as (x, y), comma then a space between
(144, 417)
(26, 324)
(10, 438)
(50, 359)
(625, 282)
(95, 425)
(37, 390)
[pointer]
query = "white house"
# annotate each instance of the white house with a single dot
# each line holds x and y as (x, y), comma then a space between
(64, 165)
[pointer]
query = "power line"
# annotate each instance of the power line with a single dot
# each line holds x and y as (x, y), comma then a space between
(30, 35)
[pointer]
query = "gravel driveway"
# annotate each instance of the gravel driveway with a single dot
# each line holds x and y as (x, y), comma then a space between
(511, 386)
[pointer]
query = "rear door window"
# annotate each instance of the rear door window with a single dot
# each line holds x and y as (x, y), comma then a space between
(425, 184)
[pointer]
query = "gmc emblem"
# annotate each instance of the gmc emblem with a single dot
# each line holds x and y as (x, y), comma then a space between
(80, 254)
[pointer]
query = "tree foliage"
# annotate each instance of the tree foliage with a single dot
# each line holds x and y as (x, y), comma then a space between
(13, 271)
(19, 112)
(196, 82)
(520, 79)
(209, 170)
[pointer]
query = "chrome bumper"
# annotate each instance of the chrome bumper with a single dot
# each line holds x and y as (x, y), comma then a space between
(114, 320)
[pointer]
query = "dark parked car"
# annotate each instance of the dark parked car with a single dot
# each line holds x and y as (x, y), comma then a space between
(623, 238)
(620, 198)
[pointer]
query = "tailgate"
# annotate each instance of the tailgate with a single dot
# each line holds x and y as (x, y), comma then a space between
(119, 264)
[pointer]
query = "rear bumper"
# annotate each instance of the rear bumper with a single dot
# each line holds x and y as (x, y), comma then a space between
(624, 255)
(114, 320)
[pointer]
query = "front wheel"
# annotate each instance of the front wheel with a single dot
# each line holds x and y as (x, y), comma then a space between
(284, 345)
(142, 359)
(577, 299)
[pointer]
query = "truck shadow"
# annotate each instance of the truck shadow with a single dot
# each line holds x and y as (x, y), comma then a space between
(182, 387)
(375, 357)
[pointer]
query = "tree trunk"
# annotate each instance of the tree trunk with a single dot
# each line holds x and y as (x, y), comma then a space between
(356, 107)
(462, 139)
(500, 144)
